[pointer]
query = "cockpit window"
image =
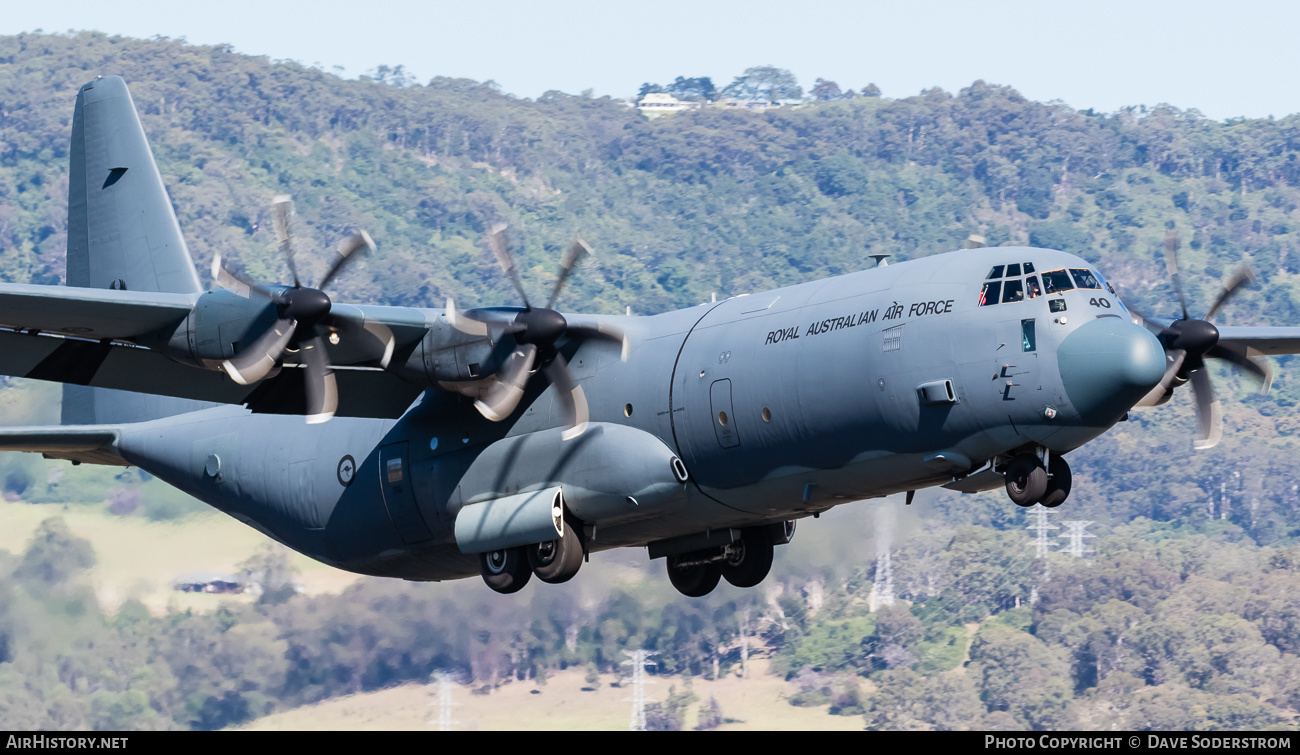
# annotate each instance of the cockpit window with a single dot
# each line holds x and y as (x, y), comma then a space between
(1084, 278)
(1031, 284)
(1013, 270)
(1057, 281)
(1013, 290)
(1029, 268)
(996, 272)
(990, 293)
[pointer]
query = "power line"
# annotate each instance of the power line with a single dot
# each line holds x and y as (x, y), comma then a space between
(1075, 535)
(444, 702)
(1042, 545)
(638, 660)
(882, 590)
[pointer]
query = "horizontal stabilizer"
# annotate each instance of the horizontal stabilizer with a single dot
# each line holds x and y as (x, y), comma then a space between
(89, 444)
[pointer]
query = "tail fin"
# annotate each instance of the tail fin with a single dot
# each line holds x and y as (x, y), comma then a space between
(122, 234)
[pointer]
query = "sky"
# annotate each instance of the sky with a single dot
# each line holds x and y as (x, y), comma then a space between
(1225, 59)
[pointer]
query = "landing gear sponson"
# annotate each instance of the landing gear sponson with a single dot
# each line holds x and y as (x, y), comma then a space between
(1029, 481)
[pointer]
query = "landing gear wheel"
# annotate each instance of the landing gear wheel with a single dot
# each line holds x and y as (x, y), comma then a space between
(505, 571)
(1058, 485)
(694, 581)
(750, 559)
(558, 560)
(1026, 480)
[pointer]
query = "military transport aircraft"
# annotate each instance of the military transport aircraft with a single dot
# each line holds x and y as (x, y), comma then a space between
(441, 443)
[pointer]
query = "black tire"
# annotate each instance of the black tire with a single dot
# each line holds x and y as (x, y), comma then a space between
(505, 571)
(751, 559)
(695, 581)
(1026, 480)
(1058, 484)
(558, 560)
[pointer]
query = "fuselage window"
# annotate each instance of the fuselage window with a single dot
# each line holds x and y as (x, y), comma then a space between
(1031, 284)
(1084, 278)
(996, 272)
(1028, 339)
(1013, 290)
(990, 293)
(1056, 281)
(1013, 270)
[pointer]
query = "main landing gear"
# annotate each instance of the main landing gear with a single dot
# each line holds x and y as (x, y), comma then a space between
(743, 563)
(1030, 482)
(509, 569)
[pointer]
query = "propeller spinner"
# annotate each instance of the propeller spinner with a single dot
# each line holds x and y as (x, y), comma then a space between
(535, 330)
(1188, 342)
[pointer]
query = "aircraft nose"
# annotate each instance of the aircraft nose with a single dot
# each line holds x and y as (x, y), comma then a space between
(1107, 366)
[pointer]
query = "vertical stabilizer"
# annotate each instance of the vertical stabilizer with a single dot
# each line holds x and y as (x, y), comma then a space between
(122, 232)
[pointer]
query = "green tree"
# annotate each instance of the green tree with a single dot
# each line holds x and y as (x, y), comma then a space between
(765, 83)
(54, 555)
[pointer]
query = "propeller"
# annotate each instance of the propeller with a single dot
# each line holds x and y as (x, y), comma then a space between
(304, 321)
(535, 331)
(1188, 342)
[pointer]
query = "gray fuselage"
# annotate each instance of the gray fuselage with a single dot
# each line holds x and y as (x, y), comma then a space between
(780, 404)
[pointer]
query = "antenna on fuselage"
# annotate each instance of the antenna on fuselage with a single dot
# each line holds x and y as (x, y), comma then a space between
(975, 241)
(880, 259)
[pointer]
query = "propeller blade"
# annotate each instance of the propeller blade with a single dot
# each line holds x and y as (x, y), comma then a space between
(497, 241)
(376, 338)
(1240, 357)
(281, 217)
(223, 278)
(602, 332)
(1171, 263)
(1242, 276)
(570, 395)
(1175, 360)
(322, 387)
(347, 248)
(1209, 413)
(1150, 324)
(502, 396)
(257, 361)
(467, 325)
(572, 256)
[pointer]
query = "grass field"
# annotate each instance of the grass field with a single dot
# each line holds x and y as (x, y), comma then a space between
(562, 704)
(137, 558)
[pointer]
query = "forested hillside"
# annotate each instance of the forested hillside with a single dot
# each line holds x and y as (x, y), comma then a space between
(1185, 617)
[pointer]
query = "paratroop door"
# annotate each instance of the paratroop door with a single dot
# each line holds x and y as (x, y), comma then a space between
(399, 493)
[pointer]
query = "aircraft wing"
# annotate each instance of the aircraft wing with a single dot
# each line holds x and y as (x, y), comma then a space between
(363, 392)
(96, 313)
(1263, 340)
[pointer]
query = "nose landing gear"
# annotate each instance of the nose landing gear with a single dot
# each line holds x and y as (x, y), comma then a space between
(1029, 482)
